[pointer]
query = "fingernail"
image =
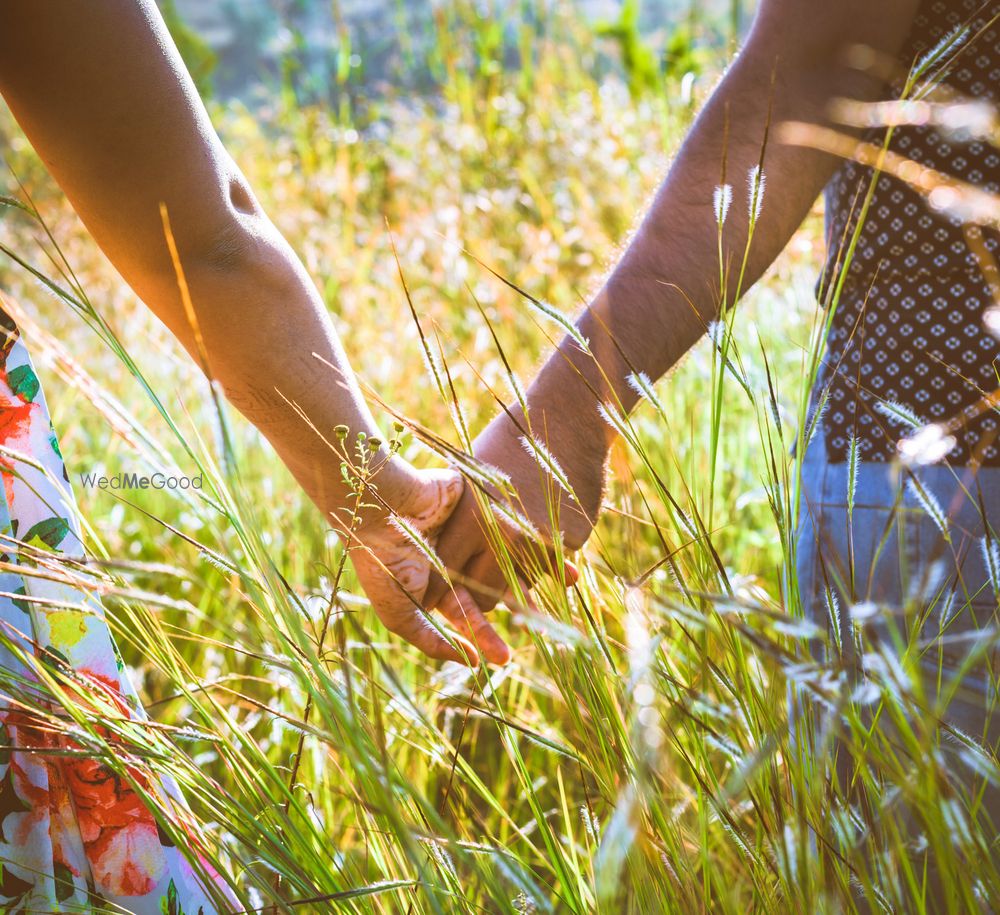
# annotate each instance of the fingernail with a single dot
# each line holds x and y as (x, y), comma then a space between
(471, 658)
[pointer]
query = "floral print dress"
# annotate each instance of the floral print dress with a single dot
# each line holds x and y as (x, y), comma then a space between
(75, 834)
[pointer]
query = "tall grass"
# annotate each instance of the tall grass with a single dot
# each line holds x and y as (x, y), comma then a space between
(636, 757)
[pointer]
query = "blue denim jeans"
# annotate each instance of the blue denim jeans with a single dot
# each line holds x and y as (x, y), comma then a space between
(908, 571)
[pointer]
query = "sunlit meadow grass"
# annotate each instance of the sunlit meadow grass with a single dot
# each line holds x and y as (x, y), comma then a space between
(635, 756)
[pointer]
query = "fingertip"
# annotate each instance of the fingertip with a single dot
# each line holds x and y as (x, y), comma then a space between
(488, 641)
(418, 629)
(461, 610)
(500, 653)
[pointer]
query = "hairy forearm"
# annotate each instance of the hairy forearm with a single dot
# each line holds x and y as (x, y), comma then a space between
(680, 267)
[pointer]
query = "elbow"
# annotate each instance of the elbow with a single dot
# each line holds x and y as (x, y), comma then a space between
(226, 247)
(234, 234)
(237, 249)
(848, 49)
(238, 278)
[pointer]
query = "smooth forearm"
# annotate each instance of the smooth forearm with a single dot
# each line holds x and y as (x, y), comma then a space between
(101, 92)
(269, 342)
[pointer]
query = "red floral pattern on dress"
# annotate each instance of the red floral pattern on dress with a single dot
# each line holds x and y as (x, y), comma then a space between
(72, 829)
(17, 417)
(118, 831)
(52, 799)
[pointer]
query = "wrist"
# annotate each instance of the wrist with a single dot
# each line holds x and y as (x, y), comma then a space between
(577, 446)
(355, 489)
(563, 417)
(388, 486)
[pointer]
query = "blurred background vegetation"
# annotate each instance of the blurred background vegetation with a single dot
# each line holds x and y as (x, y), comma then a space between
(325, 50)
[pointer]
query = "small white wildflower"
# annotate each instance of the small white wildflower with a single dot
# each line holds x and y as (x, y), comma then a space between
(929, 504)
(899, 413)
(722, 197)
(756, 181)
(991, 559)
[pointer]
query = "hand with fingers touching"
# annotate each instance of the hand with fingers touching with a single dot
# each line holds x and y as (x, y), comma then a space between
(125, 134)
(392, 558)
(554, 474)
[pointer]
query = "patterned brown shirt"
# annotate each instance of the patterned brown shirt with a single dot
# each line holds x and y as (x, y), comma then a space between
(908, 326)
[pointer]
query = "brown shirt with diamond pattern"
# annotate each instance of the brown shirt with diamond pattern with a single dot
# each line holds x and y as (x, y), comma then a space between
(908, 327)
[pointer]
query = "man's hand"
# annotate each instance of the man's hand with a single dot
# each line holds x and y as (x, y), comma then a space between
(394, 567)
(468, 544)
(666, 289)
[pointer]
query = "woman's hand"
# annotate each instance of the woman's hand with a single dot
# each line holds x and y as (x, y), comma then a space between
(394, 571)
